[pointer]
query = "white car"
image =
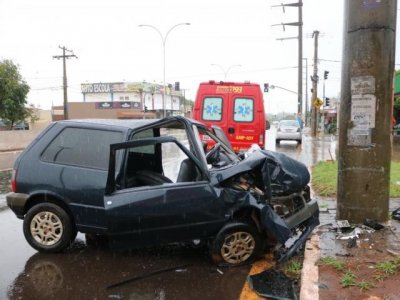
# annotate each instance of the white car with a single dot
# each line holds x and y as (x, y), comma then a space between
(288, 130)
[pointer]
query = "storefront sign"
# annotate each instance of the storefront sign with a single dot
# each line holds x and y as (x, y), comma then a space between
(119, 105)
(96, 88)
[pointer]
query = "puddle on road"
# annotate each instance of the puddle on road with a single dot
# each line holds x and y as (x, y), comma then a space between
(85, 272)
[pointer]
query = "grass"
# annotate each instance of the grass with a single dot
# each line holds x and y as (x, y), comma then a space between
(348, 279)
(383, 270)
(388, 267)
(332, 262)
(5, 182)
(364, 285)
(294, 267)
(324, 179)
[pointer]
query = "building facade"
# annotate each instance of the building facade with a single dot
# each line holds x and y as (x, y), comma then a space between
(132, 100)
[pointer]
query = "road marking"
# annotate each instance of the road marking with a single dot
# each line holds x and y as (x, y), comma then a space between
(259, 266)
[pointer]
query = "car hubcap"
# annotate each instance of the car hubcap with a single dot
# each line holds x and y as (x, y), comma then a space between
(238, 247)
(46, 228)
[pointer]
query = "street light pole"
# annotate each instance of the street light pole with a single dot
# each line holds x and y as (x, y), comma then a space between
(227, 70)
(164, 40)
(273, 86)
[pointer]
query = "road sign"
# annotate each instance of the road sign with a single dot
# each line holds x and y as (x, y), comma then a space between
(318, 102)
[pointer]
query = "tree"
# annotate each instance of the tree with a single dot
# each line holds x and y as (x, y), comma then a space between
(13, 92)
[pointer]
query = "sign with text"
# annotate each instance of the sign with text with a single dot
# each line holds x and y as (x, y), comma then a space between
(119, 105)
(95, 88)
(363, 110)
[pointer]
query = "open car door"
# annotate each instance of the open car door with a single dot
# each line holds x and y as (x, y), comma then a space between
(149, 207)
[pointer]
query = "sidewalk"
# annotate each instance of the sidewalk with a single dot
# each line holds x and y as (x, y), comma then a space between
(322, 283)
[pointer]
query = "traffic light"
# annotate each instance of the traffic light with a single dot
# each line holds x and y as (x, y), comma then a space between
(266, 87)
(327, 101)
(326, 74)
(177, 88)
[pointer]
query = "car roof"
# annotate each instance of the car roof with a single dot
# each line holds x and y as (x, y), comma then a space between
(126, 123)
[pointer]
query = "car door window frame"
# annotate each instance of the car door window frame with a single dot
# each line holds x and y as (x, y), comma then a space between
(111, 180)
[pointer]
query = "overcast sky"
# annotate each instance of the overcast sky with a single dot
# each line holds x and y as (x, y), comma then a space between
(111, 47)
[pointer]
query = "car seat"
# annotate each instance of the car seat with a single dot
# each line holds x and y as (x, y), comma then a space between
(188, 171)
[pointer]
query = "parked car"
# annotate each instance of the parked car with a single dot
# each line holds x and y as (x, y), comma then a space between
(146, 182)
(288, 130)
(21, 126)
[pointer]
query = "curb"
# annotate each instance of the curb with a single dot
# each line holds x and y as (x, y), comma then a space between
(309, 272)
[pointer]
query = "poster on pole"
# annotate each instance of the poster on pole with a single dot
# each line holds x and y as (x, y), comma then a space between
(363, 110)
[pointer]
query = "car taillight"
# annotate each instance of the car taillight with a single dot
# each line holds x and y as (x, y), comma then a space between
(261, 140)
(13, 181)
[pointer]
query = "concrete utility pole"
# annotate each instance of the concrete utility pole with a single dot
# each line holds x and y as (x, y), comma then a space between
(64, 57)
(299, 24)
(314, 79)
(300, 61)
(365, 110)
(306, 120)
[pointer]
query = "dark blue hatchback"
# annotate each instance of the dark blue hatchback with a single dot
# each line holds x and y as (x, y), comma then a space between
(144, 182)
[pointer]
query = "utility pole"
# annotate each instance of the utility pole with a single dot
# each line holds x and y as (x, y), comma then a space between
(314, 79)
(65, 86)
(299, 24)
(306, 119)
(300, 61)
(366, 110)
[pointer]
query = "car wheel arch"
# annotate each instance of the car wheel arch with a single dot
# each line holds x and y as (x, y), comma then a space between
(48, 198)
(249, 214)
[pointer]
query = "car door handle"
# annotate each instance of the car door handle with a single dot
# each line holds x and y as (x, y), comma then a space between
(231, 130)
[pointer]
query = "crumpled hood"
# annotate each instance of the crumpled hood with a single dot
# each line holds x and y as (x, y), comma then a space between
(280, 173)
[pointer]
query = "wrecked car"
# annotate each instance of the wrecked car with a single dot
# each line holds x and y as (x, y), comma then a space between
(148, 182)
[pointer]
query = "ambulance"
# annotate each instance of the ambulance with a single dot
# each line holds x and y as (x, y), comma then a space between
(237, 108)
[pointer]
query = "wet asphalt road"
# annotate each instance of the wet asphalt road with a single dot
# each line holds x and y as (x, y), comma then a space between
(85, 271)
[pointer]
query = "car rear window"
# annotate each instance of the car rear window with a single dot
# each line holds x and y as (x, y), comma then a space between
(293, 123)
(243, 110)
(212, 109)
(82, 147)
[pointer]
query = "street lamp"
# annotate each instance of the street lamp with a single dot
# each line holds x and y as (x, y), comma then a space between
(164, 40)
(273, 86)
(227, 70)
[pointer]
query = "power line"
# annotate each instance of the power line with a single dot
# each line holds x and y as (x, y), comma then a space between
(47, 88)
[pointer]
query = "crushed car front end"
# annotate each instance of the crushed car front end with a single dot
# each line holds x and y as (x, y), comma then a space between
(278, 187)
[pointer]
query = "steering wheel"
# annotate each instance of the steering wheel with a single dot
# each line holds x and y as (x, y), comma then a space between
(213, 153)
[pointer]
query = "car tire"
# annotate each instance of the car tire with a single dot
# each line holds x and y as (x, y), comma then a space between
(48, 228)
(237, 243)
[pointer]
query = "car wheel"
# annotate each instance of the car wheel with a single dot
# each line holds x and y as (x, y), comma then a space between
(237, 243)
(48, 228)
